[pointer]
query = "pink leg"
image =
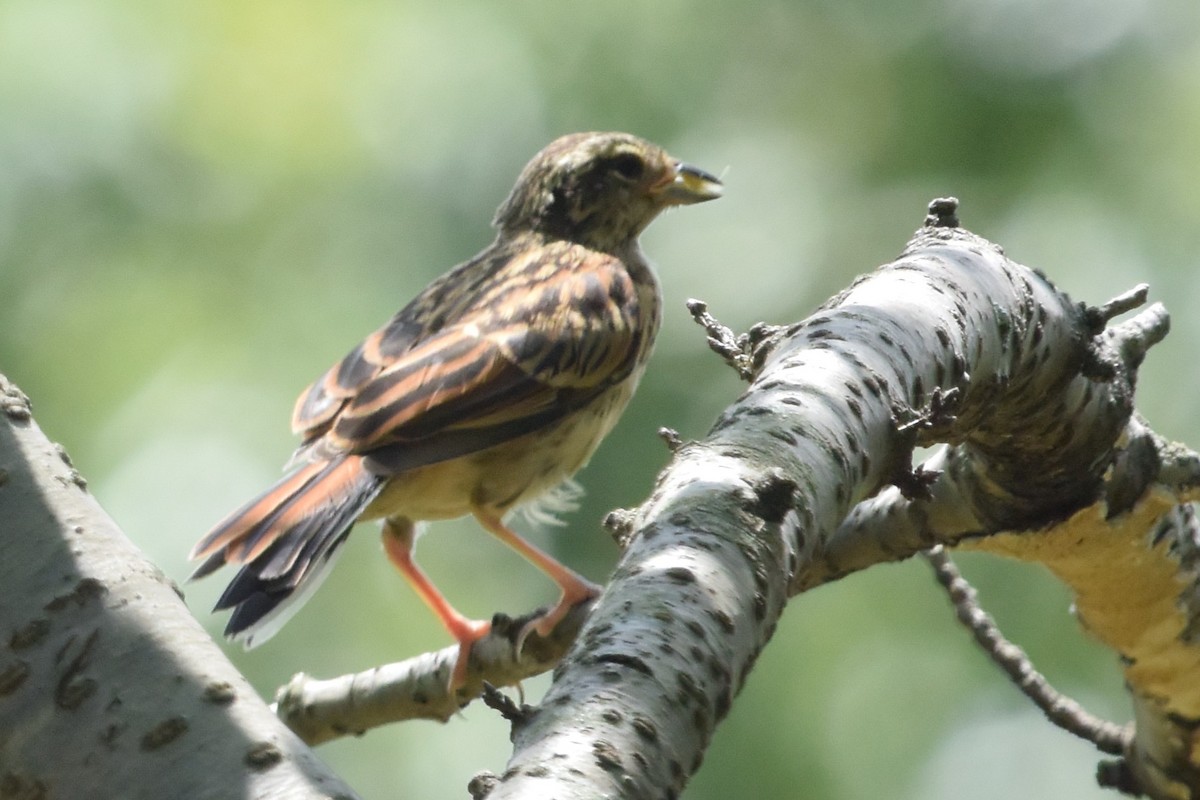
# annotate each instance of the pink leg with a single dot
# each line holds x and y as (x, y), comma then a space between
(575, 588)
(398, 543)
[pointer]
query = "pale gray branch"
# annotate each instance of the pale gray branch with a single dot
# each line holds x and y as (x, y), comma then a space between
(108, 686)
(417, 688)
(750, 515)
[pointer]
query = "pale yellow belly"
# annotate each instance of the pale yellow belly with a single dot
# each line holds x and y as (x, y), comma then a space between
(507, 475)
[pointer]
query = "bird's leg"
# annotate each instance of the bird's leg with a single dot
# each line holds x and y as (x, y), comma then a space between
(398, 539)
(575, 588)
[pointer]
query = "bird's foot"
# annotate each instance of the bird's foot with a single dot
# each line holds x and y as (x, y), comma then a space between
(544, 624)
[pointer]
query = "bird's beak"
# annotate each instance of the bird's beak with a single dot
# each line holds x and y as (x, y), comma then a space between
(687, 185)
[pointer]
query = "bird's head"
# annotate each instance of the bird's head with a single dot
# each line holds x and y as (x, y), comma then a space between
(600, 189)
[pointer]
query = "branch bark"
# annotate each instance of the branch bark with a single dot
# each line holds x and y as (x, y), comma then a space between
(952, 343)
(108, 686)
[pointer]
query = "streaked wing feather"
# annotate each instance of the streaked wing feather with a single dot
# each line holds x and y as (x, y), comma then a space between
(252, 514)
(320, 402)
(443, 300)
(452, 443)
(453, 381)
(327, 499)
(211, 564)
(516, 364)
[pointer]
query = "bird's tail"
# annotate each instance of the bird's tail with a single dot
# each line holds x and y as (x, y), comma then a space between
(285, 540)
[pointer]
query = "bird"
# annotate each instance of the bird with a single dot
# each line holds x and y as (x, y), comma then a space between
(493, 386)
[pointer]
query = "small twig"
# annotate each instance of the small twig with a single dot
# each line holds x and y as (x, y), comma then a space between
(1138, 334)
(515, 713)
(1126, 301)
(943, 213)
(915, 483)
(938, 412)
(671, 437)
(619, 524)
(1062, 711)
(482, 784)
(1116, 774)
(734, 349)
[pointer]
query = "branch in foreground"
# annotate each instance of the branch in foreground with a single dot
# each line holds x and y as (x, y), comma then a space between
(109, 687)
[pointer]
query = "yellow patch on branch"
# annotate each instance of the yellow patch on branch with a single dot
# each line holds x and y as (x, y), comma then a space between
(1127, 591)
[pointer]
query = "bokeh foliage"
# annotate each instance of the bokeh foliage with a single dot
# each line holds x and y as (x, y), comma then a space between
(203, 204)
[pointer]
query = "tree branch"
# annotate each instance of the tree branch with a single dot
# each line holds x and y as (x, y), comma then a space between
(417, 688)
(1060, 710)
(750, 515)
(108, 686)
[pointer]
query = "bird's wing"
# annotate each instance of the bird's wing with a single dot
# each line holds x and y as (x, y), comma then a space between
(558, 331)
(442, 302)
(321, 402)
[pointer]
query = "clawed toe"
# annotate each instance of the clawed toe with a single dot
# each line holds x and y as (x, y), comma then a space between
(544, 624)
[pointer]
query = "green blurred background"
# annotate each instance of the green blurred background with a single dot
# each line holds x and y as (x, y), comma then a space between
(203, 204)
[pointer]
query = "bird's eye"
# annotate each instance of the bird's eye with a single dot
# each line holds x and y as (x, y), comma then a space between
(628, 166)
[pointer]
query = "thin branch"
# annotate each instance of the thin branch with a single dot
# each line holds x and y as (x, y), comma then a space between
(1060, 710)
(516, 713)
(670, 437)
(417, 688)
(735, 350)
(1126, 301)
